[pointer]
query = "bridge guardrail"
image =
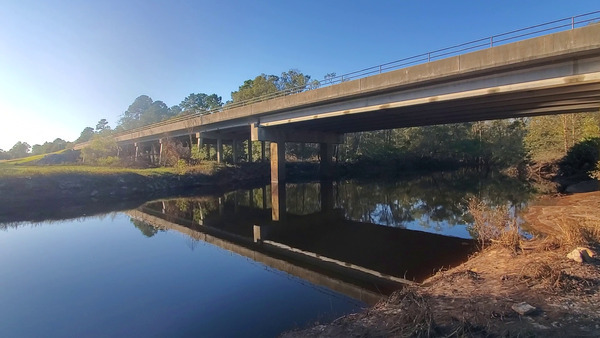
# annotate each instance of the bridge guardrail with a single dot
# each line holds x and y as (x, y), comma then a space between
(479, 44)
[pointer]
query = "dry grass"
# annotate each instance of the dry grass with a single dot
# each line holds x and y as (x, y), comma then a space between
(578, 230)
(494, 225)
(412, 314)
(542, 273)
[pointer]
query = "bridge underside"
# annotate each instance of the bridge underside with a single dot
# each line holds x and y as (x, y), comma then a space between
(580, 98)
(553, 74)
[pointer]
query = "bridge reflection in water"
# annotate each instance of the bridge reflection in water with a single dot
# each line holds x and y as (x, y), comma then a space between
(297, 228)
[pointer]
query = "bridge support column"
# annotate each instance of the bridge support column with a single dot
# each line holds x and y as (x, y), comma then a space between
(200, 141)
(278, 137)
(200, 144)
(161, 141)
(219, 150)
(277, 162)
(137, 151)
(262, 151)
(326, 168)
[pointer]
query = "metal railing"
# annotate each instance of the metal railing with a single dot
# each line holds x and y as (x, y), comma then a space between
(483, 43)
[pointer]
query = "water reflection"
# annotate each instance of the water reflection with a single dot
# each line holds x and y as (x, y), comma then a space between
(124, 275)
(100, 277)
(361, 232)
(435, 203)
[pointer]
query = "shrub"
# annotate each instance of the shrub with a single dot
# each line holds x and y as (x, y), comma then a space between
(494, 225)
(581, 158)
(596, 173)
(109, 161)
(199, 154)
(181, 167)
(101, 146)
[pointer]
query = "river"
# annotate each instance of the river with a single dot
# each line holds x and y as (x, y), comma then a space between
(252, 262)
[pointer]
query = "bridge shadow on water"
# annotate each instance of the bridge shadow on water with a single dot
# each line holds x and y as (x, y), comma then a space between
(358, 238)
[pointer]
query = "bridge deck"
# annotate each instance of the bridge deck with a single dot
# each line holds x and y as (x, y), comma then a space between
(551, 74)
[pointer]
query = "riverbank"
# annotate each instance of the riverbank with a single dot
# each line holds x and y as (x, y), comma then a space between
(58, 192)
(479, 297)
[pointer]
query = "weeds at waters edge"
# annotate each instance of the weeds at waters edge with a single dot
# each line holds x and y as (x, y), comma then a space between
(494, 225)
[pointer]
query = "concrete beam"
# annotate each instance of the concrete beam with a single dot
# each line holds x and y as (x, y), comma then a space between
(258, 133)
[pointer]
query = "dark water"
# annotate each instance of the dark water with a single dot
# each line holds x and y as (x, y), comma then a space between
(253, 262)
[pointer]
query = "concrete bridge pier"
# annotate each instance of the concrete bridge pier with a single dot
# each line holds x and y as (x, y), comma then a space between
(219, 150)
(199, 140)
(160, 154)
(277, 162)
(137, 151)
(278, 137)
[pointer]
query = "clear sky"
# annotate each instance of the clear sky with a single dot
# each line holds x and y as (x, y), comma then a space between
(64, 65)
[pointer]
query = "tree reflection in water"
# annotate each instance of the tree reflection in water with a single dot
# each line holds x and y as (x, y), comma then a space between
(431, 203)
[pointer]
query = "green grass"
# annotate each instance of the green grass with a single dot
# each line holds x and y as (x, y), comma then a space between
(9, 170)
(25, 167)
(23, 160)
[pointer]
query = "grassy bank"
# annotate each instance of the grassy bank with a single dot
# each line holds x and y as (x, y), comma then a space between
(35, 193)
(27, 167)
(15, 171)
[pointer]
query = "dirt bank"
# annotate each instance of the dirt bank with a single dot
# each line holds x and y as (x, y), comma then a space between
(476, 299)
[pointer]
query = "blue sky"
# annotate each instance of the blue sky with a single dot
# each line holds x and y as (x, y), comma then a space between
(64, 65)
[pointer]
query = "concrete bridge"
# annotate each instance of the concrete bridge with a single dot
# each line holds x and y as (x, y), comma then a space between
(551, 74)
